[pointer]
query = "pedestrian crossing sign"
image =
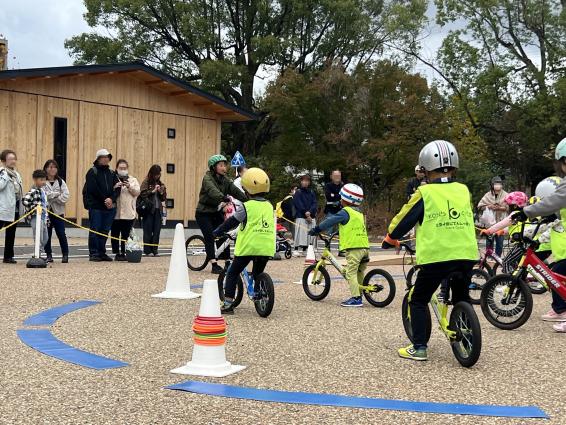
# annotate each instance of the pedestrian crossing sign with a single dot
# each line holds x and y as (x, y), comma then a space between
(238, 160)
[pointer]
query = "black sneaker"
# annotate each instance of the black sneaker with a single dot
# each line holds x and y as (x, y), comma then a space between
(65, 259)
(227, 309)
(95, 258)
(120, 257)
(216, 269)
(49, 259)
(105, 257)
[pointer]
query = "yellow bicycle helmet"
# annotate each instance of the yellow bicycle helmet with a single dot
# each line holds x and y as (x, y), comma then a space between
(255, 181)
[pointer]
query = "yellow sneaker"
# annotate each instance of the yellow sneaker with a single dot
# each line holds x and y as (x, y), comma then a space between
(410, 353)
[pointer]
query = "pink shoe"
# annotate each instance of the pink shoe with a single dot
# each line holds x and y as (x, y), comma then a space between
(560, 327)
(552, 316)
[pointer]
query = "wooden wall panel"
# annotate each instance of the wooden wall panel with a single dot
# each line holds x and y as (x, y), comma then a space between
(18, 131)
(135, 140)
(171, 151)
(97, 130)
(48, 109)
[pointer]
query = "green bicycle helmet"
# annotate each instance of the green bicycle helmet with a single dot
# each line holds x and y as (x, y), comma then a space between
(215, 159)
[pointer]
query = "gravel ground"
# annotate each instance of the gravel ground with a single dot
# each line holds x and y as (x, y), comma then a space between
(302, 346)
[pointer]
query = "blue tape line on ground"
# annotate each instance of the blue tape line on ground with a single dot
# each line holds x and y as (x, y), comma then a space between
(48, 317)
(45, 342)
(357, 402)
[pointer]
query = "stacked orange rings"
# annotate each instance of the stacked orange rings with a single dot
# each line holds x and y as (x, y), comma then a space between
(209, 330)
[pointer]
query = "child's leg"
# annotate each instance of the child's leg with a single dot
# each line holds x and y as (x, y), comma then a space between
(353, 263)
(363, 265)
(44, 236)
(258, 268)
(237, 266)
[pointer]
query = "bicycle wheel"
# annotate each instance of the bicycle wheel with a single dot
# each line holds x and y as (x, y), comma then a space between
(506, 302)
(411, 275)
(196, 254)
(239, 289)
(264, 299)
(384, 291)
(288, 253)
(407, 320)
(478, 278)
(465, 322)
(318, 289)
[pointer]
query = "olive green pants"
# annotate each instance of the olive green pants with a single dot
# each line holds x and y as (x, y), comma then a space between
(356, 262)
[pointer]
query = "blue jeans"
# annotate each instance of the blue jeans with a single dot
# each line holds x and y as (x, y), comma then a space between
(100, 221)
(558, 304)
(59, 226)
(499, 240)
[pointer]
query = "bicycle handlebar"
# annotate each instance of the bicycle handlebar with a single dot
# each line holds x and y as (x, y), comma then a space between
(408, 248)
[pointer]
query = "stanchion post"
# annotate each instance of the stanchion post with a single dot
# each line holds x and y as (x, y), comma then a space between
(36, 262)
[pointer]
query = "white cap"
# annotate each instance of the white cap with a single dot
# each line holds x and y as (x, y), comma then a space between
(418, 168)
(103, 152)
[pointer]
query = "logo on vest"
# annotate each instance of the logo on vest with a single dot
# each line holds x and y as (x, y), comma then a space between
(453, 213)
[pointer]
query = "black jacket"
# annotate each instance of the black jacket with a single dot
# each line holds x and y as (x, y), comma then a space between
(100, 181)
(332, 194)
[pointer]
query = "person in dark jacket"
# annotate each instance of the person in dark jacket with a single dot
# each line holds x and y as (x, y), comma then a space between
(213, 198)
(101, 191)
(153, 192)
(415, 182)
(306, 206)
(332, 194)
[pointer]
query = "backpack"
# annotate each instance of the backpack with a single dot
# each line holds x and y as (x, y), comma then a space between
(279, 206)
(143, 206)
(85, 200)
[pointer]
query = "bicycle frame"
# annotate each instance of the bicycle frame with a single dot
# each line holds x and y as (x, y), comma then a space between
(489, 252)
(541, 272)
(440, 309)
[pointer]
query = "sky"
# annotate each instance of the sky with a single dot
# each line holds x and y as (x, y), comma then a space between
(37, 29)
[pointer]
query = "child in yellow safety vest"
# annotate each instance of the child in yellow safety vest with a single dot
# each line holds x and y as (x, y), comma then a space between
(256, 236)
(446, 240)
(353, 239)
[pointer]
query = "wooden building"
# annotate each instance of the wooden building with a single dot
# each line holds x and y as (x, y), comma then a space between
(136, 112)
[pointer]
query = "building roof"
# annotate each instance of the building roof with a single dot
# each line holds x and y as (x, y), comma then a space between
(232, 112)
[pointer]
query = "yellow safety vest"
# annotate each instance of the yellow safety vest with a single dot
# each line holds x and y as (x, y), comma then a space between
(256, 236)
(447, 231)
(558, 239)
(353, 234)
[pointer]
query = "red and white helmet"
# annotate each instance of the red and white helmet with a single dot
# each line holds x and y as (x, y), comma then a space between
(352, 194)
(517, 198)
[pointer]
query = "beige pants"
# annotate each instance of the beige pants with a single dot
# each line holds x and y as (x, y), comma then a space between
(356, 263)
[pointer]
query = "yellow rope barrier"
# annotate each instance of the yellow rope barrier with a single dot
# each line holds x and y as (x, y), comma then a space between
(13, 223)
(102, 234)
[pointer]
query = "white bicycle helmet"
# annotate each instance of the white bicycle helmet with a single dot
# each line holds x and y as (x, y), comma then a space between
(437, 155)
(352, 194)
(547, 186)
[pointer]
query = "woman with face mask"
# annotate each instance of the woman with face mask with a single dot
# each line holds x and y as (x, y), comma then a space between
(125, 209)
(495, 201)
(11, 194)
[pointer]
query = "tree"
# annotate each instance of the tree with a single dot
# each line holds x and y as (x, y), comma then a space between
(223, 44)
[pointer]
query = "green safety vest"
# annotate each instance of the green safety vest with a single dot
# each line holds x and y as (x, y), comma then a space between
(558, 240)
(353, 234)
(256, 236)
(447, 231)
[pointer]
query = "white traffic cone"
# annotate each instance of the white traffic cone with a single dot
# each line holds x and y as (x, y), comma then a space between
(310, 258)
(178, 284)
(209, 327)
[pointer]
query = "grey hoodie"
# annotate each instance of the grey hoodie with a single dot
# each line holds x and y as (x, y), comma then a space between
(550, 205)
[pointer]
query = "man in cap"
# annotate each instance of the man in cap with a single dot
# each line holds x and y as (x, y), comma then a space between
(415, 182)
(99, 197)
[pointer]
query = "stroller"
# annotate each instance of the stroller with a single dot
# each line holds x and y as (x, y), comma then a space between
(282, 241)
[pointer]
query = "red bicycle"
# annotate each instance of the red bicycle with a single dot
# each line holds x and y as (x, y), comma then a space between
(506, 300)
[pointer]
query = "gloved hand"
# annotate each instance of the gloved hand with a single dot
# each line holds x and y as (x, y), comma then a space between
(216, 233)
(519, 215)
(226, 199)
(388, 242)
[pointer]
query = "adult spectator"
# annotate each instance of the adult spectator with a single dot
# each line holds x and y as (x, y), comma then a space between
(415, 182)
(213, 198)
(495, 201)
(125, 210)
(11, 195)
(154, 194)
(306, 206)
(57, 194)
(332, 194)
(100, 193)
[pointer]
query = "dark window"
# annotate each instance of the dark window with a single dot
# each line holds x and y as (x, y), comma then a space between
(60, 145)
(170, 168)
(171, 133)
(170, 203)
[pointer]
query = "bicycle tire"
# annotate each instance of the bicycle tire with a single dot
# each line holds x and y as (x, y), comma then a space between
(538, 290)
(407, 320)
(477, 286)
(494, 314)
(239, 289)
(390, 284)
(266, 291)
(196, 262)
(323, 274)
(288, 253)
(464, 320)
(411, 276)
